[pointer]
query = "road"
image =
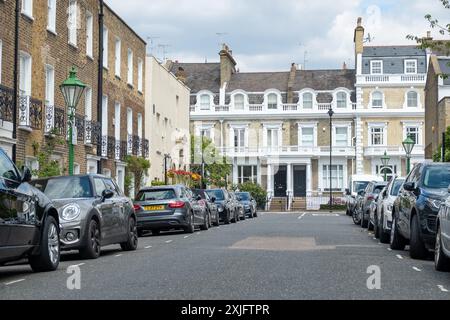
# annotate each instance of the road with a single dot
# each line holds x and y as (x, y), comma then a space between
(276, 256)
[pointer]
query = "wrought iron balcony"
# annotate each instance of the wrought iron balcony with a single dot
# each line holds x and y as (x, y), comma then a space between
(55, 120)
(30, 112)
(6, 103)
(146, 148)
(92, 132)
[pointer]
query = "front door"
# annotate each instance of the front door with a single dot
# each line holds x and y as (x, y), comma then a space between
(280, 182)
(300, 181)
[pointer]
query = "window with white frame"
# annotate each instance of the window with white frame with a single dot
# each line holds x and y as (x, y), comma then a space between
(307, 100)
(247, 174)
(410, 66)
(72, 22)
(239, 101)
(117, 119)
(130, 67)
(49, 85)
(140, 75)
(205, 102)
(336, 180)
(413, 133)
(117, 57)
(341, 136)
(239, 139)
(412, 99)
(105, 116)
(51, 15)
(377, 136)
(273, 141)
(105, 47)
(376, 67)
(307, 136)
(129, 121)
(272, 101)
(25, 74)
(27, 7)
(377, 99)
(89, 34)
(341, 100)
(88, 103)
(139, 125)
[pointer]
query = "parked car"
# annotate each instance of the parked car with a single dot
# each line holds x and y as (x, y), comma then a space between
(238, 205)
(93, 213)
(442, 247)
(365, 200)
(249, 204)
(29, 223)
(382, 218)
(357, 183)
(165, 208)
(225, 205)
(417, 206)
(211, 207)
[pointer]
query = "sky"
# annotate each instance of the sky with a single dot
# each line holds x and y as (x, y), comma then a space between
(269, 35)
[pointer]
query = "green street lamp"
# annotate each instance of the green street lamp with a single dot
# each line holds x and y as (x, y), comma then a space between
(72, 89)
(408, 145)
(385, 161)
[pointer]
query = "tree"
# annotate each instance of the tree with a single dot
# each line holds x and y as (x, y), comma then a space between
(137, 168)
(257, 192)
(440, 46)
(437, 156)
(47, 166)
(217, 168)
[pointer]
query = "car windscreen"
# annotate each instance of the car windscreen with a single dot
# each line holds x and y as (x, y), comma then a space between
(437, 177)
(244, 196)
(218, 194)
(360, 185)
(155, 195)
(396, 187)
(200, 193)
(65, 188)
(377, 189)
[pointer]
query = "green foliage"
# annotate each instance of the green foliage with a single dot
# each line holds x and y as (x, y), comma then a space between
(437, 156)
(47, 167)
(137, 169)
(257, 192)
(157, 183)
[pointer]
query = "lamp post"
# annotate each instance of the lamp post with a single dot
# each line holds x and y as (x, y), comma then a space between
(72, 89)
(331, 113)
(166, 156)
(385, 161)
(408, 145)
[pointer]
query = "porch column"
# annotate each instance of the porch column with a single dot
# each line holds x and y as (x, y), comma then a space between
(258, 173)
(308, 179)
(269, 179)
(289, 184)
(235, 171)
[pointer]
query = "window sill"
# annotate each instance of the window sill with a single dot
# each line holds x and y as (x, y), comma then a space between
(105, 68)
(27, 16)
(90, 57)
(53, 32)
(130, 85)
(118, 77)
(73, 45)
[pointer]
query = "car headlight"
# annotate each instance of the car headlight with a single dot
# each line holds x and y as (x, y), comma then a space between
(390, 207)
(220, 208)
(434, 204)
(70, 212)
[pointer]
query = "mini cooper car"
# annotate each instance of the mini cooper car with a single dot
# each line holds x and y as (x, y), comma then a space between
(93, 212)
(29, 223)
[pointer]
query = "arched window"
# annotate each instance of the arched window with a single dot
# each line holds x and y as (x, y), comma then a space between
(307, 100)
(377, 99)
(412, 99)
(205, 102)
(239, 101)
(272, 101)
(341, 100)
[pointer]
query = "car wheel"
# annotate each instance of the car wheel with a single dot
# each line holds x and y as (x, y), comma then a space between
(364, 222)
(190, 228)
(205, 225)
(156, 232)
(244, 216)
(217, 221)
(92, 248)
(234, 220)
(384, 236)
(397, 242)
(255, 215)
(376, 228)
(140, 233)
(441, 261)
(356, 217)
(132, 237)
(48, 259)
(417, 249)
(227, 218)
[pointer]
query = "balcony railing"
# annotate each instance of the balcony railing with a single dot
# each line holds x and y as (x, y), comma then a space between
(30, 112)
(6, 103)
(392, 78)
(287, 150)
(55, 120)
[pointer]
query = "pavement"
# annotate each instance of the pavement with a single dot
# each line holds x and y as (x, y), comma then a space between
(277, 256)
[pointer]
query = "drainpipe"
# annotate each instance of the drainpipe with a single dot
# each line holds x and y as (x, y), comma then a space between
(16, 79)
(100, 80)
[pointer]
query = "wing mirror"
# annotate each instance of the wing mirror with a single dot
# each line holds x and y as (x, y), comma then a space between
(361, 193)
(347, 192)
(213, 199)
(409, 186)
(107, 194)
(26, 174)
(198, 198)
(448, 189)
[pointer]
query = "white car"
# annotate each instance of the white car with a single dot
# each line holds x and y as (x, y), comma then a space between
(356, 184)
(383, 214)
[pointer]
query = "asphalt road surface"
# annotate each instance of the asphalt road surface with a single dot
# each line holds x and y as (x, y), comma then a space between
(276, 256)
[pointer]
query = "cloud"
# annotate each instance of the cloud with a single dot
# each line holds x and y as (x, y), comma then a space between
(271, 34)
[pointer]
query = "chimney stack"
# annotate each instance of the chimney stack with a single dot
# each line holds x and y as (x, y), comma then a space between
(227, 64)
(358, 38)
(181, 75)
(291, 82)
(344, 66)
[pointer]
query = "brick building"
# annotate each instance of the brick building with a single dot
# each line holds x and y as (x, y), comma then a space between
(53, 37)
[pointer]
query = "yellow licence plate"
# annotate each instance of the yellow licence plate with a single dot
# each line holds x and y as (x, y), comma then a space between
(153, 208)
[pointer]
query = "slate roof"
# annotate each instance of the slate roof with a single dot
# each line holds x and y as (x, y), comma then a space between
(324, 79)
(258, 81)
(200, 76)
(392, 51)
(445, 68)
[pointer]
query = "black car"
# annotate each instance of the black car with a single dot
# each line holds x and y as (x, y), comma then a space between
(442, 247)
(210, 205)
(417, 206)
(225, 205)
(238, 205)
(29, 223)
(93, 213)
(249, 204)
(169, 207)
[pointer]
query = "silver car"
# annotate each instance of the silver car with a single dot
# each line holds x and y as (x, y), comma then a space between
(93, 213)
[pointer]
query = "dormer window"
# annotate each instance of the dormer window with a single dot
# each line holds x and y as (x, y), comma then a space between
(377, 99)
(307, 100)
(341, 100)
(205, 102)
(410, 66)
(376, 67)
(272, 101)
(239, 101)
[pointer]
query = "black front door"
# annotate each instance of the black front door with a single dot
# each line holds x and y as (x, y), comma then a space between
(300, 181)
(280, 182)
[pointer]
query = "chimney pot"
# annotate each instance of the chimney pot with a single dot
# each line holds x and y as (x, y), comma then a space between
(359, 21)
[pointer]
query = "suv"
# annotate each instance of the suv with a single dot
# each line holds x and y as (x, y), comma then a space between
(365, 199)
(225, 205)
(357, 183)
(29, 223)
(417, 206)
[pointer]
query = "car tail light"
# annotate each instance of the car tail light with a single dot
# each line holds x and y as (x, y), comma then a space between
(176, 204)
(137, 207)
(371, 197)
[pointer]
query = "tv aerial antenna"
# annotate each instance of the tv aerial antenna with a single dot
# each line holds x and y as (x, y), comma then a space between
(151, 42)
(221, 36)
(369, 38)
(164, 47)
